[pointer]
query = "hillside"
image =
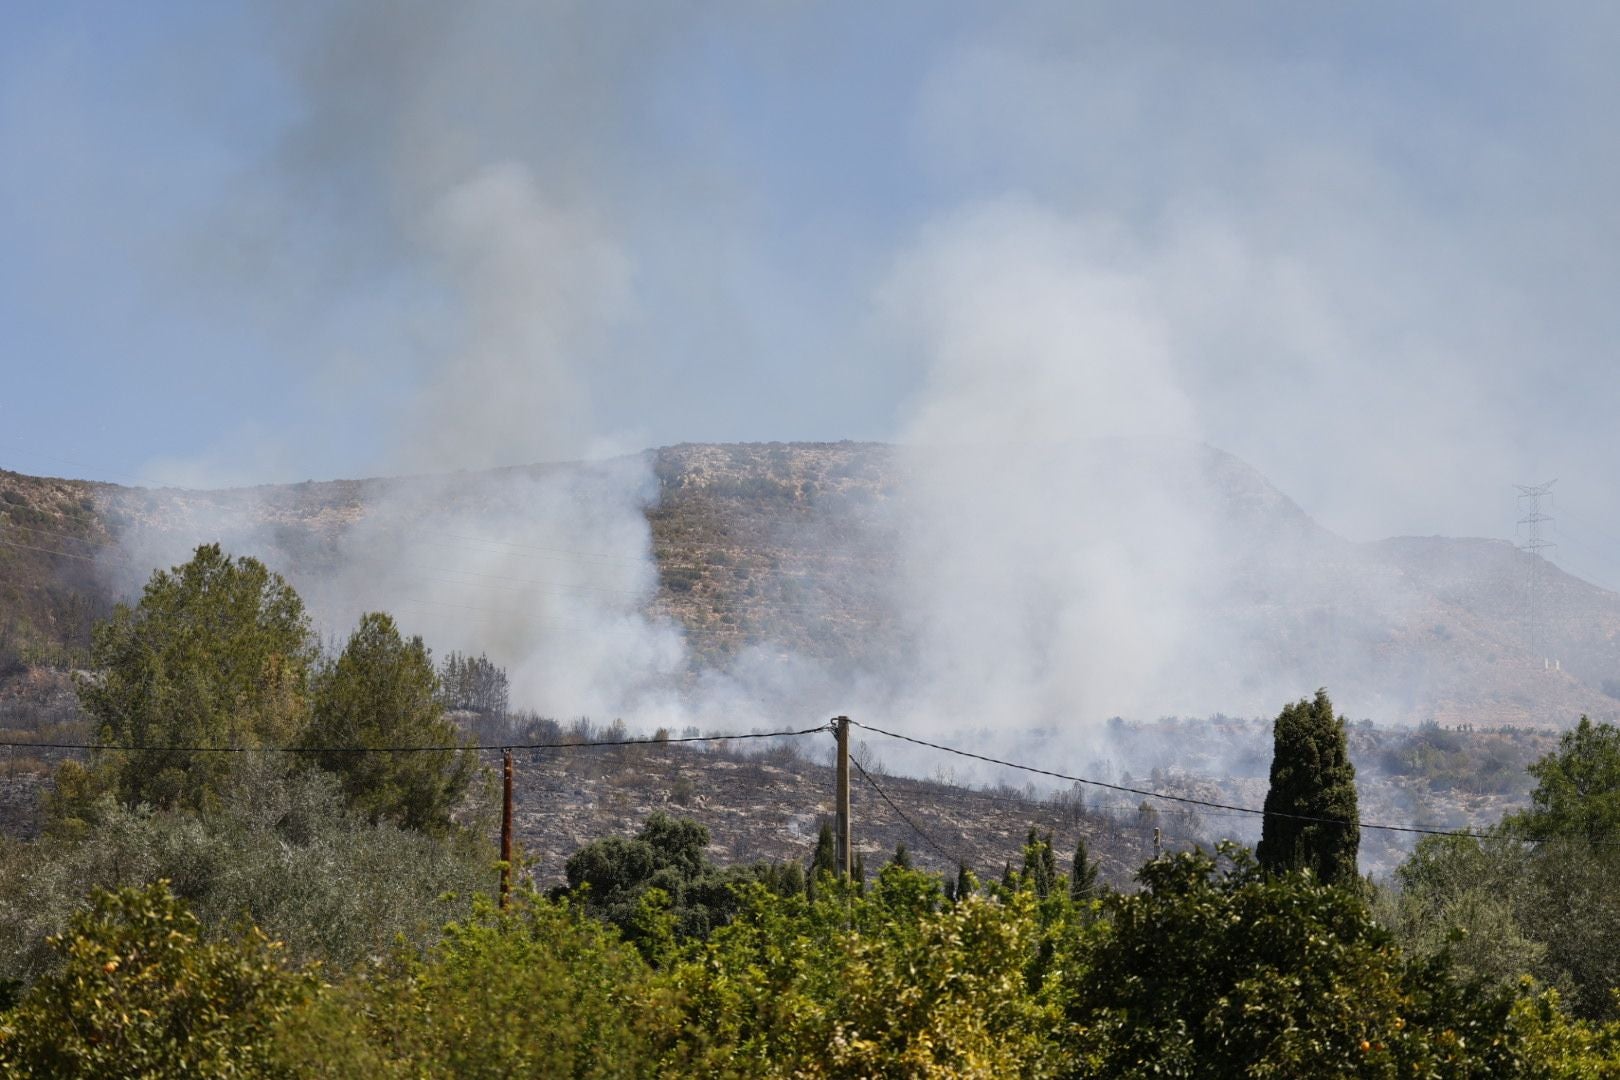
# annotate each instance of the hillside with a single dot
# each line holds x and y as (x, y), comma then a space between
(797, 549)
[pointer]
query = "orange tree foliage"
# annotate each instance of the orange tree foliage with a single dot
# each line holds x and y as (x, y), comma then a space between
(140, 993)
(1209, 971)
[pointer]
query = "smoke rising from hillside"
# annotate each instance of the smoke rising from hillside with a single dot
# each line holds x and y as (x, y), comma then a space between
(1078, 246)
(1043, 590)
(418, 179)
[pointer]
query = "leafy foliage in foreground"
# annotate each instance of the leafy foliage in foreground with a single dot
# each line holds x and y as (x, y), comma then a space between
(140, 993)
(1208, 972)
(467, 1007)
(1243, 973)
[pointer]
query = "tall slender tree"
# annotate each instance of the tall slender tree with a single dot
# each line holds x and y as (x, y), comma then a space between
(1040, 863)
(824, 861)
(1310, 812)
(1083, 877)
(966, 883)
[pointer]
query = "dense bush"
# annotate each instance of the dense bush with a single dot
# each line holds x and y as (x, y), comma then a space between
(660, 886)
(282, 848)
(537, 990)
(1539, 897)
(138, 992)
(1235, 972)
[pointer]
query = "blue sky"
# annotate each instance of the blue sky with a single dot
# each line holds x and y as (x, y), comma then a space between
(1370, 248)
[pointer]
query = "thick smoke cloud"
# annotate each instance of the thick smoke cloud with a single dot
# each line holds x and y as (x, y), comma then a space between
(1059, 248)
(1065, 591)
(439, 180)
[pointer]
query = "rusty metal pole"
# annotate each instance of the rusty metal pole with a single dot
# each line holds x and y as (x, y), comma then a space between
(841, 811)
(506, 827)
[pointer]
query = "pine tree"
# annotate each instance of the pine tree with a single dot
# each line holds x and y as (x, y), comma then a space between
(1083, 879)
(902, 856)
(381, 691)
(216, 653)
(1311, 777)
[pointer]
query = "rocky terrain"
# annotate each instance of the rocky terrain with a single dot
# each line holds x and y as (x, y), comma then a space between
(796, 547)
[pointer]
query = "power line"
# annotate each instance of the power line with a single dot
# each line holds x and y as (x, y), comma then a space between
(50, 532)
(1170, 798)
(61, 554)
(1233, 810)
(918, 829)
(652, 741)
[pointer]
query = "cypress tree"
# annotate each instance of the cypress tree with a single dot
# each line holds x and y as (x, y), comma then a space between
(825, 860)
(1040, 864)
(1083, 879)
(1311, 776)
(966, 883)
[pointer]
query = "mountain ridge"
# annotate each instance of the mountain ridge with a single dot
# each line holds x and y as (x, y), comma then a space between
(796, 546)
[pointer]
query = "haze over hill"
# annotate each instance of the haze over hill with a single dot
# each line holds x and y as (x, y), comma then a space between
(1004, 588)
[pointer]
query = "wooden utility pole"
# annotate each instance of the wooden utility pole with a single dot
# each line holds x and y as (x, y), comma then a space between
(841, 811)
(506, 827)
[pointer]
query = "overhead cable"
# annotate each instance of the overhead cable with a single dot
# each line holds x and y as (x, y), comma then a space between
(653, 741)
(1171, 798)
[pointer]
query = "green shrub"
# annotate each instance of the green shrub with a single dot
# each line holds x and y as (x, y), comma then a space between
(1241, 973)
(537, 990)
(283, 849)
(140, 993)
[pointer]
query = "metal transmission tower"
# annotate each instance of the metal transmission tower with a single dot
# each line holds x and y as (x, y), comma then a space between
(1530, 496)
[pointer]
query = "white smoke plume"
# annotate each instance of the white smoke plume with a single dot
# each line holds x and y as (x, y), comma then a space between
(1062, 594)
(501, 289)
